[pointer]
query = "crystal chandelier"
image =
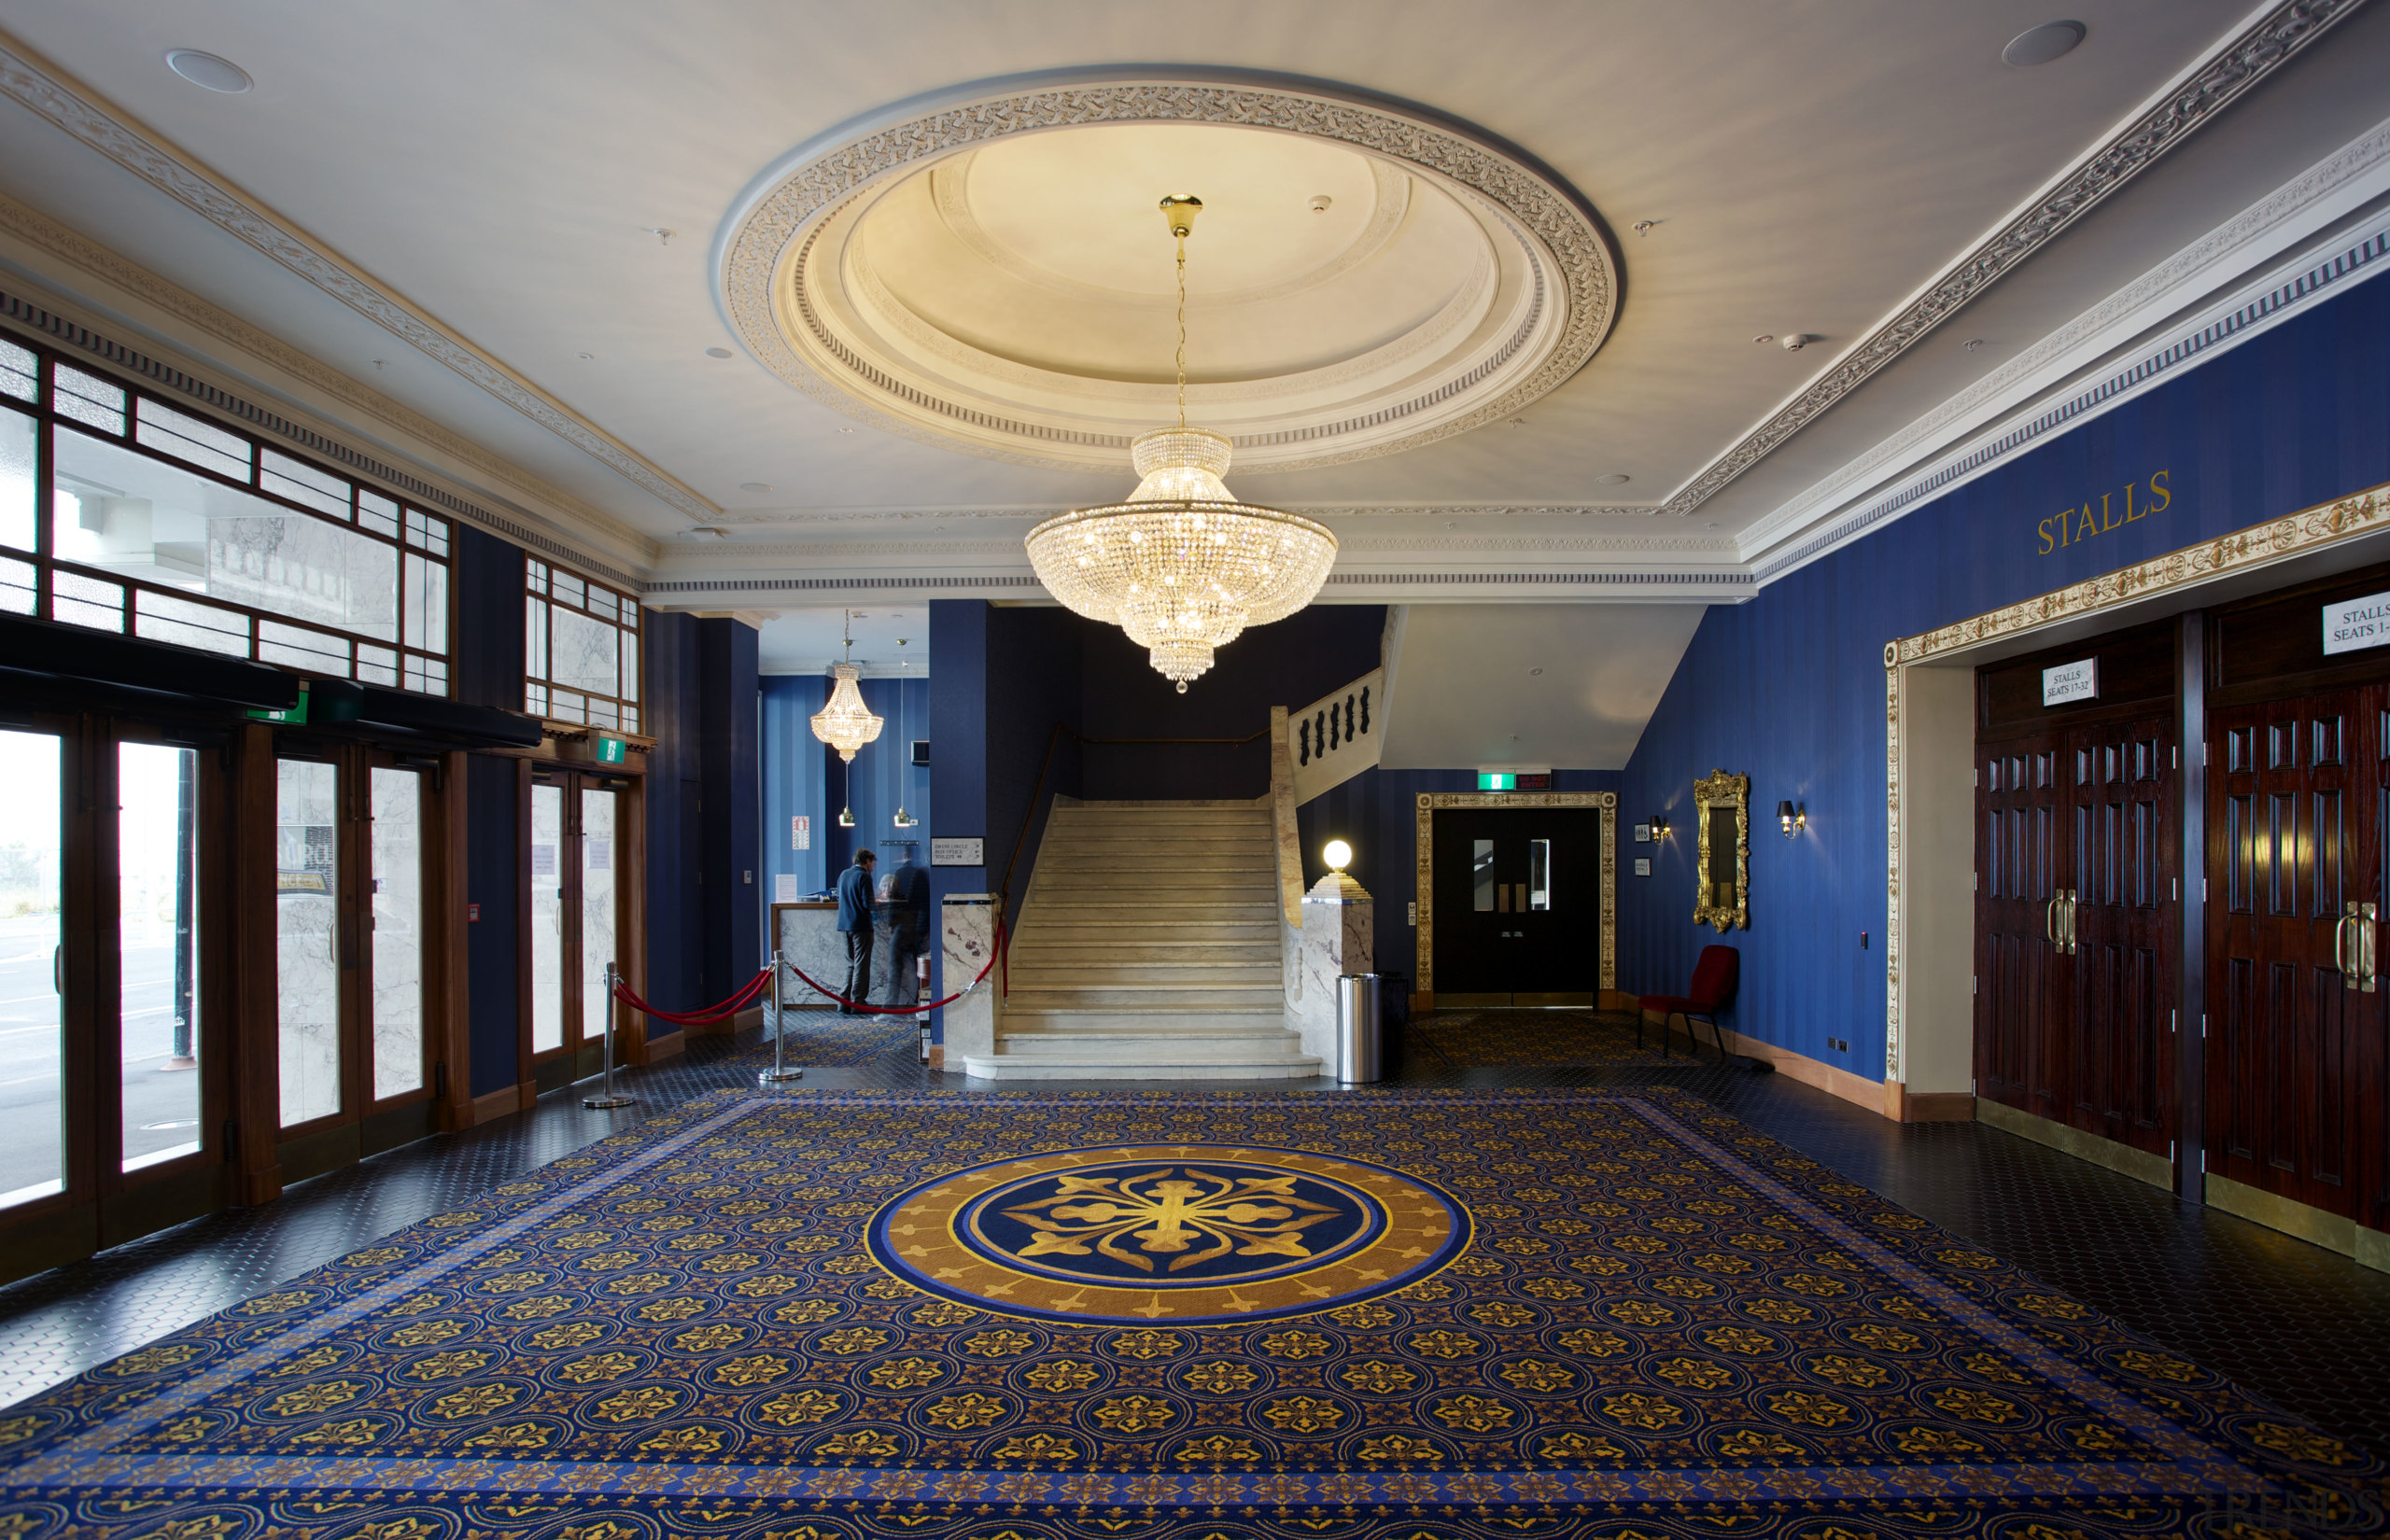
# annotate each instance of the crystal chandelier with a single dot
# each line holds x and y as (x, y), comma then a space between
(846, 723)
(1182, 566)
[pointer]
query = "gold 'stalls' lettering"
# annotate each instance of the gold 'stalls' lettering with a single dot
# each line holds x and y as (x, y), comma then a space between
(2112, 512)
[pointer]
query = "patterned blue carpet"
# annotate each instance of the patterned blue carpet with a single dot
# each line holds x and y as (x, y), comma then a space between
(831, 1041)
(829, 1316)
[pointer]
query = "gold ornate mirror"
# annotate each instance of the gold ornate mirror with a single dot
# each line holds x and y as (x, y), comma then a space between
(1722, 806)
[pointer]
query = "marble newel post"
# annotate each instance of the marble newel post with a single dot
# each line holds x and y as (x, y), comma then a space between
(1339, 916)
(967, 933)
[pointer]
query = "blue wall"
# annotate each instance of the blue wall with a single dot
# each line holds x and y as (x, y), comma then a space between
(1790, 687)
(730, 941)
(802, 774)
(674, 788)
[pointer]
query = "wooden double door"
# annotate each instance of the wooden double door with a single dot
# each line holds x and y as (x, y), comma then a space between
(2297, 847)
(2077, 927)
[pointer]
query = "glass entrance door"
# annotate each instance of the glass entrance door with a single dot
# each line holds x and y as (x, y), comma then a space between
(111, 894)
(577, 883)
(32, 969)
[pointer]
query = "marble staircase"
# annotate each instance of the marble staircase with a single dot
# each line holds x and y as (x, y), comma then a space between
(1150, 948)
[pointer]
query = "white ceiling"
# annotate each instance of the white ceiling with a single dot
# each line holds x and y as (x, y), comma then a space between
(433, 226)
(1530, 684)
(891, 641)
(1808, 165)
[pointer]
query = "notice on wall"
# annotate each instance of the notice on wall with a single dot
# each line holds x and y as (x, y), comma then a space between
(800, 832)
(598, 854)
(959, 852)
(2071, 681)
(2353, 625)
(784, 887)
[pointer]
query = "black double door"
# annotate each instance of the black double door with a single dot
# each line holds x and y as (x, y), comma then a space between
(1518, 906)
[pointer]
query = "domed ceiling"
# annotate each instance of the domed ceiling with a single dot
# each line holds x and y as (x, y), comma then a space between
(1358, 283)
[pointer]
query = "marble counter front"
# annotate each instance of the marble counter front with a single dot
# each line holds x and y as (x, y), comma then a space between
(806, 934)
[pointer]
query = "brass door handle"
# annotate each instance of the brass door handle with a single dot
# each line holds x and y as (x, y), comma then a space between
(2067, 941)
(2368, 974)
(2340, 945)
(2049, 919)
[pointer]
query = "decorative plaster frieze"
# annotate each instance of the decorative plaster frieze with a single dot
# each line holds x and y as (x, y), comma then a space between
(2294, 534)
(130, 279)
(99, 127)
(122, 360)
(794, 200)
(799, 518)
(2352, 175)
(2261, 49)
(2203, 335)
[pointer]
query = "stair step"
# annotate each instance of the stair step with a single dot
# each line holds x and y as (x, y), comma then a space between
(1159, 1020)
(1242, 973)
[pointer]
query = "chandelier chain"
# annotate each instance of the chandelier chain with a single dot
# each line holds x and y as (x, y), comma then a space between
(1182, 331)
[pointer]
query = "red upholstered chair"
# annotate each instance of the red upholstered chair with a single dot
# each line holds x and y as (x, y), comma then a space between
(1712, 988)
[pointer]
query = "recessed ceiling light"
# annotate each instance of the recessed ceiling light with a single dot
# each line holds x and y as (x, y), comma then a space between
(1613, 479)
(1536, 670)
(2042, 44)
(1321, 204)
(707, 532)
(1765, 338)
(717, 353)
(755, 487)
(208, 71)
(586, 356)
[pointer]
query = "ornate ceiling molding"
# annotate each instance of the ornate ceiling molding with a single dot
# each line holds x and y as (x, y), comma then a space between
(800, 519)
(2227, 74)
(2348, 178)
(83, 116)
(130, 280)
(791, 201)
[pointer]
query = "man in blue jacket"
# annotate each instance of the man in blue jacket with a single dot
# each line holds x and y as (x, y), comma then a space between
(854, 923)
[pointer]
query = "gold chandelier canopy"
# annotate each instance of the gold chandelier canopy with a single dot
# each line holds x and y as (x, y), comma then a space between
(1182, 566)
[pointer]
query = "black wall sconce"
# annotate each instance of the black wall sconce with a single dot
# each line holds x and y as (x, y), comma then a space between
(1659, 826)
(1793, 818)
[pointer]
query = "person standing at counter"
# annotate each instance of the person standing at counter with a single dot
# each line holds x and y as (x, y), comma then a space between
(855, 924)
(908, 921)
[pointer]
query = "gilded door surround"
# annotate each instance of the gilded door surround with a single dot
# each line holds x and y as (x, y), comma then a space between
(1425, 847)
(2303, 533)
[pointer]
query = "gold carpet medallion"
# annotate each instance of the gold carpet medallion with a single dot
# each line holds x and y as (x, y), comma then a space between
(1183, 1233)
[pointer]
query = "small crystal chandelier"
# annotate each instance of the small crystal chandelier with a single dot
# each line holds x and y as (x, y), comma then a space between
(1182, 566)
(846, 723)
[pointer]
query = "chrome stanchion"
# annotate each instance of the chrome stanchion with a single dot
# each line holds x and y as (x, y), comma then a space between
(780, 1034)
(607, 1097)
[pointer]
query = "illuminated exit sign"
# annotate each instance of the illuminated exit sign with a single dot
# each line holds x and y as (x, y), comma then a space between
(611, 748)
(1513, 780)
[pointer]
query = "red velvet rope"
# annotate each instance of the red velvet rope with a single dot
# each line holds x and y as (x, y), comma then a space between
(730, 1007)
(906, 1010)
(755, 985)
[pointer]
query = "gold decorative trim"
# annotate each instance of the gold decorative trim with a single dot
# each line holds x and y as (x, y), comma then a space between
(2311, 529)
(1424, 886)
(1709, 792)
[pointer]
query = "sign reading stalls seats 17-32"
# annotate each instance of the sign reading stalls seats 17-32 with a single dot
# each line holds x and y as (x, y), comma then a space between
(2352, 625)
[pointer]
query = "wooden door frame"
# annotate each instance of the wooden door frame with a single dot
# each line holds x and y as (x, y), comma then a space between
(1428, 802)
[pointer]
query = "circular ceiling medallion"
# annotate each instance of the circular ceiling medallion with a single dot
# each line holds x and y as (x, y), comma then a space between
(993, 276)
(1187, 1235)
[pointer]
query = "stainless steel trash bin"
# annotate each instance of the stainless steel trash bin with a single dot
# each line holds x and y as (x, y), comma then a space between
(1357, 1028)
